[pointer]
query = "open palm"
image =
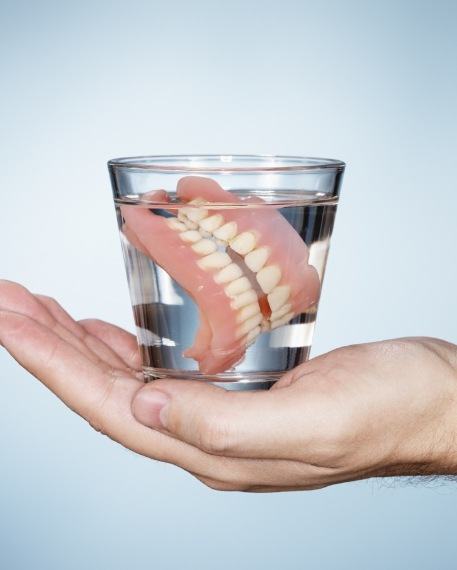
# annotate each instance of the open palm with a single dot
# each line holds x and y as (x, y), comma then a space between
(356, 412)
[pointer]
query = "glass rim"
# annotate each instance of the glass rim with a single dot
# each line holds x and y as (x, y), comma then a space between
(226, 163)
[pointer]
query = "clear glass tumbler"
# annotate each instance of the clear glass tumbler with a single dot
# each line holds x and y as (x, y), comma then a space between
(225, 257)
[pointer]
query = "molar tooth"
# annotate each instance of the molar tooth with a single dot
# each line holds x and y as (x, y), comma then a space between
(278, 297)
(243, 243)
(244, 299)
(226, 232)
(268, 278)
(238, 286)
(229, 273)
(190, 225)
(283, 321)
(196, 214)
(257, 258)
(280, 312)
(190, 236)
(252, 335)
(204, 247)
(176, 225)
(215, 260)
(247, 312)
(248, 325)
(185, 220)
(212, 223)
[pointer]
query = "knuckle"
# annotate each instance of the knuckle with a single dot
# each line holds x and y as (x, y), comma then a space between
(48, 299)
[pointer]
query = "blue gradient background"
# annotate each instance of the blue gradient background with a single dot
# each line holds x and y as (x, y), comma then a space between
(373, 83)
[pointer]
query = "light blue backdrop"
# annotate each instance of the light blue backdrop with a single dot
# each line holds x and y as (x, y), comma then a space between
(373, 83)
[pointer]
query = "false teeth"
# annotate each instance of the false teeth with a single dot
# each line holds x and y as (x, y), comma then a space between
(278, 297)
(212, 223)
(204, 247)
(257, 258)
(226, 232)
(275, 315)
(176, 225)
(244, 299)
(283, 321)
(243, 243)
(190, 236)
(268, 278)
(229, 273)
(238, 286)
(247, 312)
(215, 260)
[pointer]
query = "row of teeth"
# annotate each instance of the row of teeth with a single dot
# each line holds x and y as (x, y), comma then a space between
(195, 226)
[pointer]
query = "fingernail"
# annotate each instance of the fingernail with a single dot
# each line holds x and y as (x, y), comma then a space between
(149, 407)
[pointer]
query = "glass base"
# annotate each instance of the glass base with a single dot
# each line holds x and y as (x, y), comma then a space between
(228, 380)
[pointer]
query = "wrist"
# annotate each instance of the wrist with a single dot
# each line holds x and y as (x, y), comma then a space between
(432, 447)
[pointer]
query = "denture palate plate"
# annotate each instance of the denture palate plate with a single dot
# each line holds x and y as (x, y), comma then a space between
(243, 243)
(268, 277)
(257, 258)
(278, 297)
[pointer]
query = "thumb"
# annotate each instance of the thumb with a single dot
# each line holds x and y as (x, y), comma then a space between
(219, 422)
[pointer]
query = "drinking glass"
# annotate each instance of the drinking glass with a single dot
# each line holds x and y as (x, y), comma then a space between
(225, 257)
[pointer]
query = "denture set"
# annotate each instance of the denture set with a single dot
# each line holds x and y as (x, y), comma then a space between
(240, 260)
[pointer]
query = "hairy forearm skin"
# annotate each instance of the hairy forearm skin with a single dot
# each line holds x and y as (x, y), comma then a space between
(432, 448)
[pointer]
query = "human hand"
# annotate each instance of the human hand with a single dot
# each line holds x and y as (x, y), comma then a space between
(386, 408)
